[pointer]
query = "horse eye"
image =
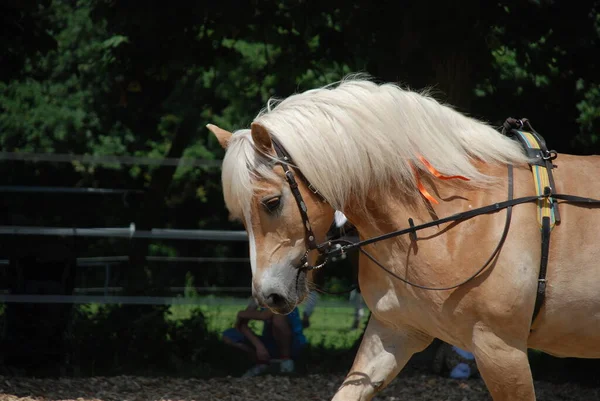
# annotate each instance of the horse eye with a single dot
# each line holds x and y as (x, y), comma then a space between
(272, 204)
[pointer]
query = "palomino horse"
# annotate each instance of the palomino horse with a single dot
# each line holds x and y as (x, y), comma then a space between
(377, 153)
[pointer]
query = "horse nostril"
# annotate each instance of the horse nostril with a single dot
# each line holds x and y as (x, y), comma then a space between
(275, 300)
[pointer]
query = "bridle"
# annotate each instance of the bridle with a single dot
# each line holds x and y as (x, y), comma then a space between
(284, 160)
(337, 247)
(340, 246)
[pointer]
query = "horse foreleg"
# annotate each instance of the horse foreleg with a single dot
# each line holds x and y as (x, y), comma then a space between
(504, 367)
(382, 354)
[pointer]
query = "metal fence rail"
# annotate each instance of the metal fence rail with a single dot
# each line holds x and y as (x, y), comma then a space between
(143, 300)
(109, 159)
(107, 261)
(128, 232)
(113, 290)
(102, 261)
(66, 190)
(97, 299)
(131, 232)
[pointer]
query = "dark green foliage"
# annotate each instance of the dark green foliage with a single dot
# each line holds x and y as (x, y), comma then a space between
(23, 35)
(546, 60)
(134, 340)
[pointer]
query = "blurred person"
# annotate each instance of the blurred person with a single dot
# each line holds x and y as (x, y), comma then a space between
(280, 343)
(309, 308)
(454, 362)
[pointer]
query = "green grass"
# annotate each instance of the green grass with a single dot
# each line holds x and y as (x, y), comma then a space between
(329, 325)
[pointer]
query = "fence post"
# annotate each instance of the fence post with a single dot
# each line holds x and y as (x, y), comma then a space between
(106, 278)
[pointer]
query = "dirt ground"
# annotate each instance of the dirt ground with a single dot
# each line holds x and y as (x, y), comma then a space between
(417, 387)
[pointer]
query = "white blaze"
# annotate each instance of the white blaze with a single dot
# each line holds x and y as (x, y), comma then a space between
(252, 243)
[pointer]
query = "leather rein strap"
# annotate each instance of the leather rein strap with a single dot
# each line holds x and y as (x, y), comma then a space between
(482, 268)
(337, 247)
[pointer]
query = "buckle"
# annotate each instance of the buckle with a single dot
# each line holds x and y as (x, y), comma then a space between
(550, 155)
(290, 179)
(313, 189)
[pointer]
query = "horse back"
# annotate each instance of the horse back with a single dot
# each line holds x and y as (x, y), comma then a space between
(571, 310)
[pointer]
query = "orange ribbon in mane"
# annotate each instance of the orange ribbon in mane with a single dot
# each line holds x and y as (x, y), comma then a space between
(436, 174)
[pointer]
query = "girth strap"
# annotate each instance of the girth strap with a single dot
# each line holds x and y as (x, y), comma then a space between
(541, 287)
(548, 215)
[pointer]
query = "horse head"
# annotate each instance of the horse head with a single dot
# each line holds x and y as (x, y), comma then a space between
(280, 223)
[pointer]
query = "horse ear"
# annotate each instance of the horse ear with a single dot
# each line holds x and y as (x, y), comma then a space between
(223, 136)
(261, 138)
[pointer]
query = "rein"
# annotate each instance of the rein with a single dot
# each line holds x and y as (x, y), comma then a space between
(338, 247)
(413, 230)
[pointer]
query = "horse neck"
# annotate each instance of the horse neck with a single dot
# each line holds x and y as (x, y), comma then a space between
(382, 213)
(387, 211)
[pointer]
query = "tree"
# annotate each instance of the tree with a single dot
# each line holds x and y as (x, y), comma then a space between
(546, 55)
(23, 27)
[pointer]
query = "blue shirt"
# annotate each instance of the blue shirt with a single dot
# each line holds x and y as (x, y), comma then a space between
(293, 318)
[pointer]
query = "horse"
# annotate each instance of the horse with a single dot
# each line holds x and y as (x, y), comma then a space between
(395, 160)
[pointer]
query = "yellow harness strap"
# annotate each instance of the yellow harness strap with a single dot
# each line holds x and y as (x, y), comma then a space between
(541, 180)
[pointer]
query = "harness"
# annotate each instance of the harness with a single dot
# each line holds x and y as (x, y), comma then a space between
(546, 198)
(548, 214)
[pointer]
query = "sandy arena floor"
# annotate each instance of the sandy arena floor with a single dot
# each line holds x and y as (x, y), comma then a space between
(417, 387)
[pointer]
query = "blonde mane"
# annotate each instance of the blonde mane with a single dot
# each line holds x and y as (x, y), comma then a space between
(352, 138)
